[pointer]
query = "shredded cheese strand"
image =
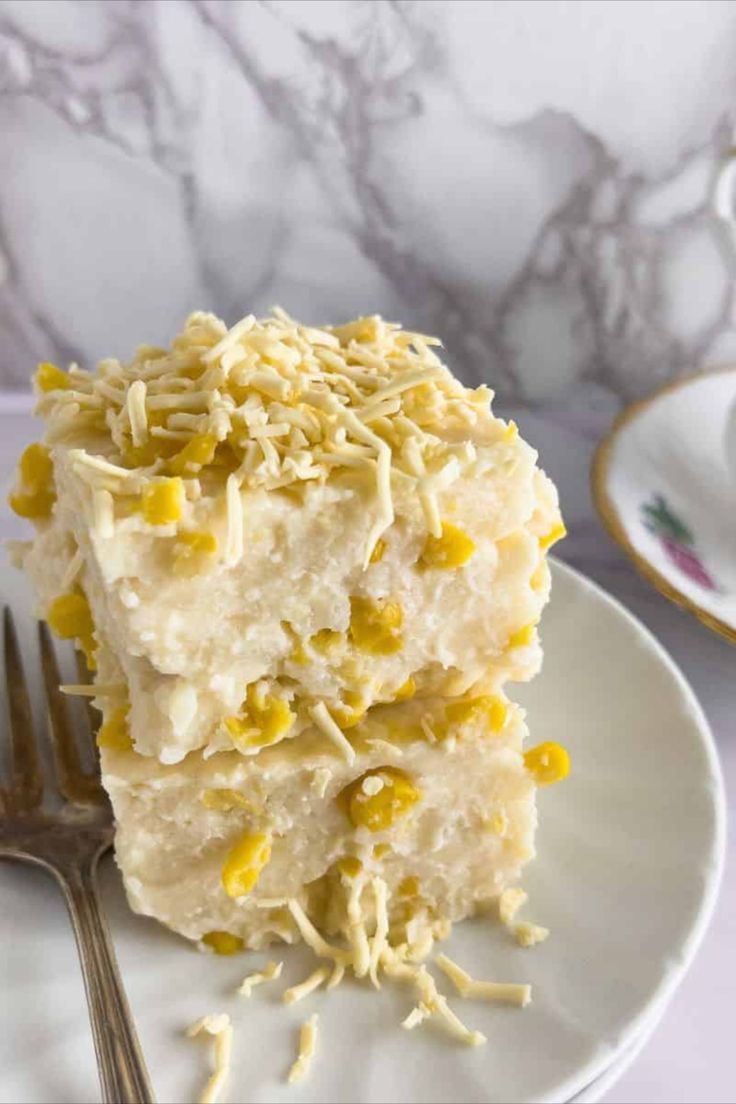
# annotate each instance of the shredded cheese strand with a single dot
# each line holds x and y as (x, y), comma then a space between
(136, 406)
(73, 569)
(311, 936)
(338, 973)
(504, 993)
(234, 538)
(270, 972)
(307, 1048)
(299, 992)
(432, 1003)
(220, 1028)
(329, 727)
(380, 940)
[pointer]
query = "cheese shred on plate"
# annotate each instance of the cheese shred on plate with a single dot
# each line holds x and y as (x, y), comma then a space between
(269, 973)
(467, 986)
(299, 992)
(307, 1047)
(219, 1027)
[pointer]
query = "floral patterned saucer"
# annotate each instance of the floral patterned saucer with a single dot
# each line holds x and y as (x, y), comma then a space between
(664, 484)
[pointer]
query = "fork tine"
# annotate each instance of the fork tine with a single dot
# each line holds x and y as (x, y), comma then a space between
(74, 784)
(27, 780)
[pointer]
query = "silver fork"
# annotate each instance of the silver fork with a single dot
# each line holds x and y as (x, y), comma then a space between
(68, 845)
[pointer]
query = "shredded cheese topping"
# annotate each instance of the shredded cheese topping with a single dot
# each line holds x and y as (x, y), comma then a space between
(329, 727)
(338, 973)
(283, 404)
(299, 992)
(312, 938)
(431, 1003)
(380, 936)
(135, 402)
(72, 572)
(104, 513)
(504, 993)
(234, 539)
(307, 1048)
(270, 972)
(220, 1028)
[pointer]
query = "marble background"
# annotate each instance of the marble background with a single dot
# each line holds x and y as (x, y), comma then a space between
(531, 180)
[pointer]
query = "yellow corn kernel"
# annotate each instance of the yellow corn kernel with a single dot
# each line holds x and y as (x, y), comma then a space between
(244, 863)
(351, 711)
(522, 637)
(380, 810)
(556, 533)
(264, 720)
(224, 800)
(88, 647)
(35, 496)
(193, 550)
(350, 866)
(409, 887)
(32, 506)
(406, 691)
(162, 501)
(69, 616)
(326, 641)
(539, 576)
(547, 763)
(375, 625)
(115, 732)
(489, 710)
(35, 467)
(222, 942)
(195, 455)
(511, 432)
(380, 850)
(378, 550)
(48, 377)
(297, 653)
(453, 549)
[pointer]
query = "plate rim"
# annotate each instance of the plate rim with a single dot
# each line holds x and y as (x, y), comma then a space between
(623, 1062)
(662, 994)
(611, 517)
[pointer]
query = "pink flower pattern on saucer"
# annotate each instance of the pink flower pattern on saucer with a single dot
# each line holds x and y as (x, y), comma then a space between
(677, 541)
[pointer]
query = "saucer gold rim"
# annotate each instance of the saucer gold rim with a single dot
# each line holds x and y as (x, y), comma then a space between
(611, 519)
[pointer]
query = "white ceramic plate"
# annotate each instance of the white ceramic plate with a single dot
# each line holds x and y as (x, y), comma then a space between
(630, 849)
(664, 483)
(604, 1082)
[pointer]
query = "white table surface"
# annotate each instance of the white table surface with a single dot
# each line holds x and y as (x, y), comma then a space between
(690, 1056)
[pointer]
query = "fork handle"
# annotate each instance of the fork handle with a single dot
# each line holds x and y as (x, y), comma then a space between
(122, 1070)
